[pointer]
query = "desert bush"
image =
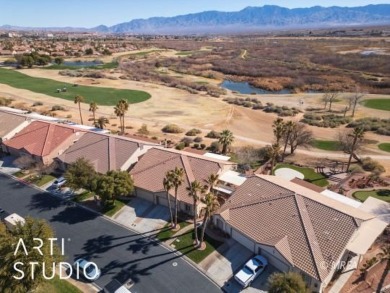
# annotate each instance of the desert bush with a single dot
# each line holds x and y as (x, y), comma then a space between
(187, 141)
(37, 104)
(180, 146)
(202, 146)
(143, 130)
(198, 139)
(172, 128)
(213, 134)
(368, 164)
(58, 108)
(193, 132)
(328, 120)
(196, 145)
(214, 147)
(380, 126)
(5, 101)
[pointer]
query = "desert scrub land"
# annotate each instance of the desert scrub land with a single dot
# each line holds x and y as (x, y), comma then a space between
(102, 96)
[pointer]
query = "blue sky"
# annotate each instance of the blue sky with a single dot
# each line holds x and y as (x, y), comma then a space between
(90, 13)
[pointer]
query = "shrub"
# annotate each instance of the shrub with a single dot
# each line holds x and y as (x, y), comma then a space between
(198, 139)
(58, 108)
(187, 141)
(143, 130)
(215, 147)
(329, 120)
(193, 132)
(213, 134)
(380, 126)
(371, 165)
(196, 145)
(69, 116)
(172, 128)
(5, 101)
(202, 146)
(180, 146)
(37, 104)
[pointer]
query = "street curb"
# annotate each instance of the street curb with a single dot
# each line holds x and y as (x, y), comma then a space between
(168, 247)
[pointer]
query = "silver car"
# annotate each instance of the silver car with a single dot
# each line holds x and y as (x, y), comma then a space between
(253, 268)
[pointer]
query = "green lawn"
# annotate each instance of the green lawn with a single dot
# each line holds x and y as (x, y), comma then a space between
(380, 104)
(100, 95)
(166, 233)
(110, 65)
(56, 285)
(185, 245)
(185, 53)
(112, 210)
(379, 194)
(327, 145)
(40, 180)
(384, 147)
(310, 175)
(83, 196)
(19, 174)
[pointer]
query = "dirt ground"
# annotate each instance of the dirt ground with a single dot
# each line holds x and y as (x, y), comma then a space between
(170, 105)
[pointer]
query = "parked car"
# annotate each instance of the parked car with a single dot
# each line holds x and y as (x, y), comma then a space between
(59, 182)
(92, 273)
(117, 287)
(252, 269)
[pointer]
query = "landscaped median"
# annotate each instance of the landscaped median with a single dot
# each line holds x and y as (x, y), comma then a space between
(100, 95)
(309, 174)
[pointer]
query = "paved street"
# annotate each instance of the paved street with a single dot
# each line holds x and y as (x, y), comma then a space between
(116, 250)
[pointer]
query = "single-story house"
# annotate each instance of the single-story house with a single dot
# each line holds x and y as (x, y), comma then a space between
(149, 172)
(11, 123)
(42, 141)
(105, 152)
(296, 228)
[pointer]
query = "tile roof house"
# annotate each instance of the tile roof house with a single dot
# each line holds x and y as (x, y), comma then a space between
(42, 141)
(149, 172)
(11, 124)
(296, 228)
(105, 152)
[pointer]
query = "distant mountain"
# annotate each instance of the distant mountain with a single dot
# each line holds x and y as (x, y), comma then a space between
(266, 17)
(249, 19)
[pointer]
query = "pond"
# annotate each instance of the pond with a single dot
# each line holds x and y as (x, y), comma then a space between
(246, 89)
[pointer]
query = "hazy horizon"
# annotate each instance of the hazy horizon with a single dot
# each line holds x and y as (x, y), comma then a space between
(91, 13)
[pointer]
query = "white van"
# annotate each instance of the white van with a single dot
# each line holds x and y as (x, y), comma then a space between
(116, 287)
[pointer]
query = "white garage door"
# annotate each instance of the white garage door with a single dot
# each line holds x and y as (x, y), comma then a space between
(240, 238)
(145, 195)
(273, 260)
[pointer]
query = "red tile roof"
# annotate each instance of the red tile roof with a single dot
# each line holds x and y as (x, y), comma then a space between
(306, 232)
(40, 138)
(150, 171)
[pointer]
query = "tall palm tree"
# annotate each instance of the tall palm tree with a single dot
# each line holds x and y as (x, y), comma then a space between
(273, 153)
(357, 135)
(279, 129)
(177, 180)
(101, 122)
(194, 190)
(92, 108)
(120, 110)
(212, 180)
(212, 204)
(78, 100)
(226, 139)
(168, 185)
(289, 127)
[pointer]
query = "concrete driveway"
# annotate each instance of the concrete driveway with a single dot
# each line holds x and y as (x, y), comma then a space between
(6, 165)
(222, 264)
(142, 216)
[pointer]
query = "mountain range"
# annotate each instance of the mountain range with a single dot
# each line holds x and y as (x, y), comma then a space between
(268, 17)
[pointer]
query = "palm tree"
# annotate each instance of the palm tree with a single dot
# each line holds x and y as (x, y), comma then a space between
(226, 139)
(193, 190)
(78, 100)
(212, 204)
(92, 108)
(212, 180)
(177, 180)
(120, 110)
(273, 153)
(101, 122)
(357, 134)
(289, 127)
(279, 129)
(168, 185)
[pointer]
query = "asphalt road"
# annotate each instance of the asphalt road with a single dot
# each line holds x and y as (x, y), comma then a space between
(117, 251)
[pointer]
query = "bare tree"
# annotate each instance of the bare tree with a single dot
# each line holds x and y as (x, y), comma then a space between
(300, 136)
(351, 141)
(354, 100)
